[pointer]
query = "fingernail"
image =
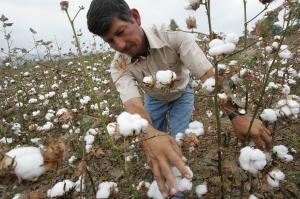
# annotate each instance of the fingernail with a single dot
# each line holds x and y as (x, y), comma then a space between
(165, 195)
(173, 191)
(189, 176)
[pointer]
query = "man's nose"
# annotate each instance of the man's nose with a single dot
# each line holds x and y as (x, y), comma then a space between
(119, 44)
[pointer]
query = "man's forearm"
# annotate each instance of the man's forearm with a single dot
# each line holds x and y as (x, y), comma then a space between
(135, 105)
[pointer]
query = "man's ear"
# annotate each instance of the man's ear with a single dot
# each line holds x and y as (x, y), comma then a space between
(136, 16)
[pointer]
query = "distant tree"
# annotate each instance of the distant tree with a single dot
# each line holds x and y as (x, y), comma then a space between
(276, 29)
(173, 25)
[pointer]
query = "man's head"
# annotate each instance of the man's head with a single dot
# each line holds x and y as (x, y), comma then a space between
(118, 25)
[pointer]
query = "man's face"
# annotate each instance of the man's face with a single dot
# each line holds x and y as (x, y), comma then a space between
(125, 37)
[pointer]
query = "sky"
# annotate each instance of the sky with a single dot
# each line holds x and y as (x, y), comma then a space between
(46, 17)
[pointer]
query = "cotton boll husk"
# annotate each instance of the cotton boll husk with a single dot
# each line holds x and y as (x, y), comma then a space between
(268, 115)
(216, 42)
(209, 85)
(232, 38)
(28, 162)
(153, 191)
(201, 189)
(60, 188)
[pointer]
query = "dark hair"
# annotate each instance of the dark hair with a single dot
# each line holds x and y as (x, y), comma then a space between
(102, 12)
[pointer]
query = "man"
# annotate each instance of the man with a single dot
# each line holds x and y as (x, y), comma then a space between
(142, 52)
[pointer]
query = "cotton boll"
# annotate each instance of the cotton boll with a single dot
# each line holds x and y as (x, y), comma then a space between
(165, 77)
(216, 51)
(105, 188)
(184, 185)
(128, 123)
(28, 162)
(269, 49)
(274, 177)
(228, 48)
(60, 188)
(201, 190)
(111, 128)
(179, 137)
(252, 160)
(286, 89)
(195, 125)
(275, 45)
(153, 191)
(89, 139)
(209, 85)
(282, 153)
(143, 184)
(232, 38)
(252, 196)
(286, 110)
(268, 115)
(148, 81)
(215, 43)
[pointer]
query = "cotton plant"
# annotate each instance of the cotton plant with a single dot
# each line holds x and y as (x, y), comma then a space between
(105, 189)
(275, 177)
(252, 160)
(60, 188)
(227, 46)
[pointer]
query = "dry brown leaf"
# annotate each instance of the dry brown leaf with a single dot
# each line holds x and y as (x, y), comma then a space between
(34, 195)
(6, 164)
(54, 154)
(190, 140)
(65, 117)
(80, 170)
(97, 152)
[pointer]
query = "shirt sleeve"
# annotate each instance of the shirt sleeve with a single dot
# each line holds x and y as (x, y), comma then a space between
(124, 81)
(191, 54)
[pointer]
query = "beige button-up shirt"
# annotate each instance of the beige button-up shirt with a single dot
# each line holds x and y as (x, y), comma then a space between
(169, 50)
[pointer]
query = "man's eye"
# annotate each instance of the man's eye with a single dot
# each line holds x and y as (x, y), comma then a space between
(120, 33)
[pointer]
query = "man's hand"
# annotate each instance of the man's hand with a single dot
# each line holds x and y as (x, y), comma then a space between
(260, 134)
(160, 152)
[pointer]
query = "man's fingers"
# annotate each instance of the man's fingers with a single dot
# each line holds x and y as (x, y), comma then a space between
(176, 147)
(160, 180)
(266, 138)
(168, 174)
(258, 142)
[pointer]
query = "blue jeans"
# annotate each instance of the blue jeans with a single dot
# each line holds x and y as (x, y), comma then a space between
(179, 111)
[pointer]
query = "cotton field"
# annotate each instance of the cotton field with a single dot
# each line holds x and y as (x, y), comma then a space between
(64, 132)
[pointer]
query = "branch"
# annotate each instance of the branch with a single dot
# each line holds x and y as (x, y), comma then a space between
(266, 7)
